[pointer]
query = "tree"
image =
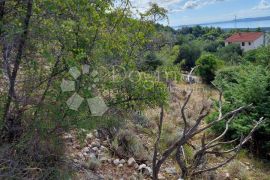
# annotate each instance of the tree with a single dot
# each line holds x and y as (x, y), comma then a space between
(188, 54)
(208, 64)
(231, 54)
(199, 161)
(247, 84)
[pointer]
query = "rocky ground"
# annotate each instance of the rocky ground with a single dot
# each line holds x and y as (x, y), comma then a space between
(93, 157)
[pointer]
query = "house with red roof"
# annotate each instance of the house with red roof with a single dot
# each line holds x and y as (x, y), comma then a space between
(247, 40)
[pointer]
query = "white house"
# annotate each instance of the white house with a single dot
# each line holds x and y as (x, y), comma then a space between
(247, 40)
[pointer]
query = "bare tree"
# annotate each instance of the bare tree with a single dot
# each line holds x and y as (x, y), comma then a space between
(199, 164)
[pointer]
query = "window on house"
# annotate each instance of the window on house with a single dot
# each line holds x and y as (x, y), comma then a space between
(249, 43)
(243, 43)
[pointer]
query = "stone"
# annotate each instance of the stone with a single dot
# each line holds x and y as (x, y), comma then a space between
(120, 165)
(109, 160)
(92, 155)
(136, 166)
(116, 162)
(171, 170)
(147, 171)
(161, 177)
(85, 150)
(68, 137)
(122, 161)
(131, 161)
(103, 159)
(95, 144)
(103, 148)
(141, 167)
(89, 136)
(95, 149)
(133, 177)
(227, 176)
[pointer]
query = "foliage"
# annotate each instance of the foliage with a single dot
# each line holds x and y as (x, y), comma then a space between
(259, 56)
(151, 63)
(207, 66)
(230, 54)
(247, 84)
(187, 56)
(137, 90)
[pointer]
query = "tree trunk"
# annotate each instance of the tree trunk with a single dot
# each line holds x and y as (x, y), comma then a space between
(17, 62)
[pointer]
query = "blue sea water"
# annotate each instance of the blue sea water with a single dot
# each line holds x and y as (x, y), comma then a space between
(249, 24)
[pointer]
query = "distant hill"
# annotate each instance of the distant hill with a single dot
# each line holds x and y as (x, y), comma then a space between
(231, 21)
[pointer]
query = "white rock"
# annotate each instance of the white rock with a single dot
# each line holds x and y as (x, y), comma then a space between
(95, 144)
(136, 166)
(109, 160)
(103, 148)
(141, 167)
(161, 177)
(171, 170)
(92, 155)
(89, 136)
(147, 171)
(120, 165)
(116, 162)
(131, 161)
(122, 161)
(95, 148)
(85, 150)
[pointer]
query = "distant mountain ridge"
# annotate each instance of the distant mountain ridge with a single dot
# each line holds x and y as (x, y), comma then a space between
(230, 21)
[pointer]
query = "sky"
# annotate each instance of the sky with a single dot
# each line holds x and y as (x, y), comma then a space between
(186, 12)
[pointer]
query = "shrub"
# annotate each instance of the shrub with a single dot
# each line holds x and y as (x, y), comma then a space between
(188, 54)
(247, 84)
(207, 66)
(126, 144)
(93, 164)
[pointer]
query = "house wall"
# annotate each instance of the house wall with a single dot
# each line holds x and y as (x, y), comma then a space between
(254, 45)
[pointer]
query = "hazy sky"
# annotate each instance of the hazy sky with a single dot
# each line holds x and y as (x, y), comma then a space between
(182, 12)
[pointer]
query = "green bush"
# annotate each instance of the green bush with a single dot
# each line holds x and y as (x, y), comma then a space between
(246, 84)
(207, 66)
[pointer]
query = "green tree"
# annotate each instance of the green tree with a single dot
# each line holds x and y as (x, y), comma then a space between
(243, 85)
(208, 64)
(231, 54)
(188, 54)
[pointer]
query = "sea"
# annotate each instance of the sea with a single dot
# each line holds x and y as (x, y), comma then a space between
(246, 24)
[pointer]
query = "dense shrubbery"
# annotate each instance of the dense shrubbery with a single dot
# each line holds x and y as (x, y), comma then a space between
(207, 66)
(242, 85)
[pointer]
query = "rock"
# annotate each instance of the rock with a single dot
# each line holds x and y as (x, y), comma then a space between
(103, 148)
(141, 167)
(132, 177)
(103, 159)
(68, 137)
(120, 165)
(131, 162)
(89, 136)
(85, 150)
(171, 170)
(116, 162)
(122, 161)
(92, 155)
(109, 160)
(95, 149)
(95, 144)
(161, 177)
(147, 171)
(227, 176)
(136, 166)
(96, 133)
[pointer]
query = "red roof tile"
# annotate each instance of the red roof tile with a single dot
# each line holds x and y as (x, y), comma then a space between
(244, 37)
